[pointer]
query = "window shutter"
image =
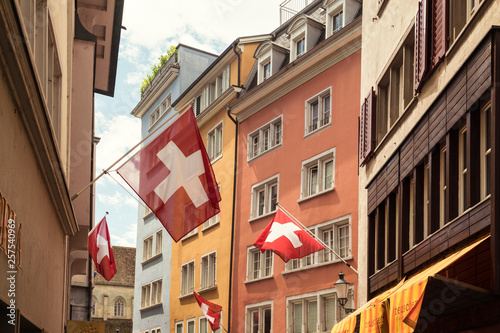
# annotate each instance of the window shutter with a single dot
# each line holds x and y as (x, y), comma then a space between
(421, 60)
(367, 128)
(439, 28)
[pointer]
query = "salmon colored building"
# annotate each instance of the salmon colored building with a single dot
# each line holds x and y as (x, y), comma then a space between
(201, 261)
(297, 146)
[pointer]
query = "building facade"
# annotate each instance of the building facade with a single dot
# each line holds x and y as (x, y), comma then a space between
(54, 57)
(428, 133)
(297, 148)
(113, 301)
(154, 244)
(202, 260)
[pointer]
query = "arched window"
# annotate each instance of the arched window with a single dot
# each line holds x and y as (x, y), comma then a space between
(94, 302)
(119, 307)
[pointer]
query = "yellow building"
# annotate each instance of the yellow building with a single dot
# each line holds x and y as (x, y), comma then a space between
(201, 261)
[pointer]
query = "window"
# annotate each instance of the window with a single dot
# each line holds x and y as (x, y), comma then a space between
(214, 142)
(318, 111)
(190, 234)
(151, 294)
(336, 235)
(203, 323)
(315, 312)
(260, 265)
(266, 138)
(337, 21)
(179, 327)
(485, 163)
(259, 318)
(211, 221)
(160, 110)
(94, 302)
(156, 330)
(147, 249)
(187, 278)
(462, 170)
(224, 81)
(208, 270)
(190, 325)
(442, 186)
(119, 307)
(265, 197)
(318, 174)
(159, 242)
(460, 13)
(266, 71)
(197, 106)
(395, 89)
(301, 46)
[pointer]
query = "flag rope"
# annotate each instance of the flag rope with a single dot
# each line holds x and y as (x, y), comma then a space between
(317, 238)
(125, 189)
(105, 171)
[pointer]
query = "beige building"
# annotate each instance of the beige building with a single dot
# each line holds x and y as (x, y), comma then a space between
(427, 183)
(53, 58)
(112, 301)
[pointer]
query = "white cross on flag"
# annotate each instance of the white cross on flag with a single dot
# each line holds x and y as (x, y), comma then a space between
(210, 310)
(286, 238)
(174, 177)
(101, 251)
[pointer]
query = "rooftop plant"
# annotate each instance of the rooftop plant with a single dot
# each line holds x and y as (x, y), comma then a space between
(155, 69)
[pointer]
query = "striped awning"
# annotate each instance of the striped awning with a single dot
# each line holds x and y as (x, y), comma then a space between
(398, 309)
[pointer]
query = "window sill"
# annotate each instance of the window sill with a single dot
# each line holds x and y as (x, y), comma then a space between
(316, 195)
(253, 219)
(215, 159)
(209, 227)
(148, 215)
(258, 279)
(207, 289)
(265, 153)
(159, 118)
(147, 261)
(189, 236)
(335, 261)
(150, 307)
(311, 133)
(181, 297)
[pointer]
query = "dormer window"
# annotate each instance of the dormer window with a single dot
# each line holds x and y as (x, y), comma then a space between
(304, 34)
(270, 57)
(337, 21)
(339, 13)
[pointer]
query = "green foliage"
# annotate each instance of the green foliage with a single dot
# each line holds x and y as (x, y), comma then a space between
(155, 69)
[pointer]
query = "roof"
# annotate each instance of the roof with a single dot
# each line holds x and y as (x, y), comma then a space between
(125, 266)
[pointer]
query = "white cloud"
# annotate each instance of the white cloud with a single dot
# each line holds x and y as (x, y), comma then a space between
(117, 200)
(125, 238)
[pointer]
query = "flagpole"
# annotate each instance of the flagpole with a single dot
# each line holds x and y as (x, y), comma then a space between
(223, 327)
(98, 223)
(105, 171)
(317, 238)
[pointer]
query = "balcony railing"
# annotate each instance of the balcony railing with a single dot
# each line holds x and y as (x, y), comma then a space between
(289, 8)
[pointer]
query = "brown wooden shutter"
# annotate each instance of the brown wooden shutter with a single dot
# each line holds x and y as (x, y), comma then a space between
(421, 59)
(367, 128)
(439, 28)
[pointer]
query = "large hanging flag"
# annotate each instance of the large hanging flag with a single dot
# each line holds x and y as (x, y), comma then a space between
(100, 249)
(210, 310)
(174, 177)
(286, 238)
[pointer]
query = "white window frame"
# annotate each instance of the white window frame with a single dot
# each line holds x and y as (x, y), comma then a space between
(265, 68)
(159, 242)
(462, 169)
(147, 248)
(259, 308)
(203, 319)
(320, 297)
(266, 187)
(198, 105)
(208, 271)
(187, 278)
(191, 321)
(322, 119)
(318, 163)
(485, 162)
(265, 139)
(181, 325)
(214, 145)
(156, 330)
(325, 257)
(151, 294)
(190, 234)
(119, 306)
(332, 10)
(263, 262)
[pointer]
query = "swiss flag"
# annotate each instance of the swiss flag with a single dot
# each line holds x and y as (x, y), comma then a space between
(210, 310)
(286, 238)
(101, 251)
(174, 177)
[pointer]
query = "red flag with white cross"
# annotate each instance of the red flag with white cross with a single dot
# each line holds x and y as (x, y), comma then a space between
(173, 176)
(286, 238)
(210, 310)
(100, 250)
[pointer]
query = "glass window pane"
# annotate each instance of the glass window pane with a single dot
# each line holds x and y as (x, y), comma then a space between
(312, 316)
(297, 318)
(267, 321)
(328, 174)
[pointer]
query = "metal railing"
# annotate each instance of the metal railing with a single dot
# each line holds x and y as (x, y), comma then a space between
(289, 8)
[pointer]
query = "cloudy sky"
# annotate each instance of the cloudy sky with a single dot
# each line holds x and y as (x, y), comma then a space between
(152, 27)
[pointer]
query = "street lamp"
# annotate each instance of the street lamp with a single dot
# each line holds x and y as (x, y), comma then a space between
(341, 288)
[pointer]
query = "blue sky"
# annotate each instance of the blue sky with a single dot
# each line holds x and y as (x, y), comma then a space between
(152, 27)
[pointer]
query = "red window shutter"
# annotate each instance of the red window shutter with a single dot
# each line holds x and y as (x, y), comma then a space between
(367, 128)
(439, 29)
(421, 40)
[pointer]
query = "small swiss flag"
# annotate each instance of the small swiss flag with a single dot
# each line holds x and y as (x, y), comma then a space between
(286, 238)
(210, 310)
(174, 177)
(101, 251)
